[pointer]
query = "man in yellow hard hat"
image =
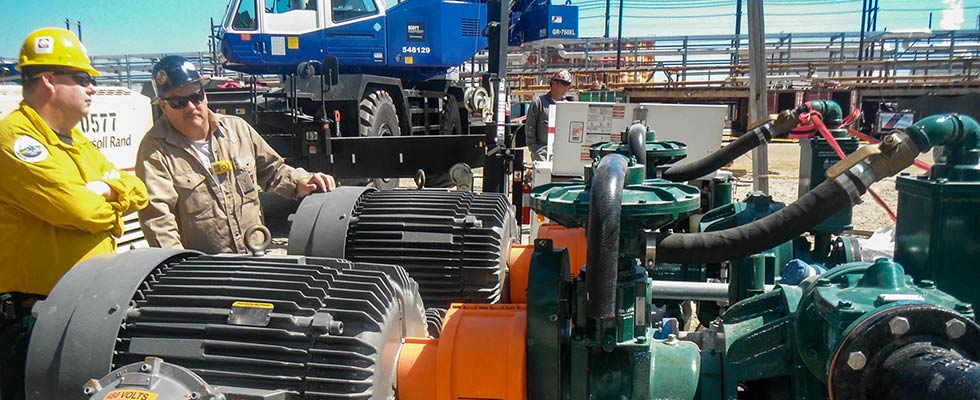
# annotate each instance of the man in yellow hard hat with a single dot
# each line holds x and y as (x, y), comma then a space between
(62, 201)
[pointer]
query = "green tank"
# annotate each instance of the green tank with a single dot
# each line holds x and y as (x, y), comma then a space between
(938, 234)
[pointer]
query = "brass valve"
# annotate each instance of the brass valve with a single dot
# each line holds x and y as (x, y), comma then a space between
(896, 152)
(781, 123)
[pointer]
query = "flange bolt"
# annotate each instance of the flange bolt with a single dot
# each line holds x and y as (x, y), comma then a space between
(857, 360)
(955, 328)
(898, 326)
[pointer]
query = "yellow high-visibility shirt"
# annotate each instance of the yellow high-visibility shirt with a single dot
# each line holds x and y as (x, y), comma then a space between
(49, 219)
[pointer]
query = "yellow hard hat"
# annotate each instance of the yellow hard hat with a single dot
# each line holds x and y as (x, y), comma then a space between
(54, 47)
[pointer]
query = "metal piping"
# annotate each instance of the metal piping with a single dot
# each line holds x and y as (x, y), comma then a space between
(699, 291)
(668, 51)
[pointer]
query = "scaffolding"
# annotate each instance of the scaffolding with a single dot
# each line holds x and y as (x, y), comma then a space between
(914, 59)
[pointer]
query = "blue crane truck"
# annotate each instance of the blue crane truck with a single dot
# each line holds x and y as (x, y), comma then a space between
(374, 92)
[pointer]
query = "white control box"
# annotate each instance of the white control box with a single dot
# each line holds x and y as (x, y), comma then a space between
(578, 125)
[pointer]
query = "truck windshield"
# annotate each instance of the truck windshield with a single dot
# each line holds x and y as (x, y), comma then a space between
(346, 10)
(244, 17)
(281, 6)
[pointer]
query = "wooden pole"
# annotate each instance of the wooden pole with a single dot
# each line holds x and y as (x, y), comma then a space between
(757, 91)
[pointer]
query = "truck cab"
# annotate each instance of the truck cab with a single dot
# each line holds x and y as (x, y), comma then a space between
(262, 36)
(420, 39)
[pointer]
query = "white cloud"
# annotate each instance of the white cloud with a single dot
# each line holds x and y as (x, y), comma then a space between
(952, 15)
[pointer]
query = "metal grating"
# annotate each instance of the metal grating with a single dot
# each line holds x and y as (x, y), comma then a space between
(453, 243)
(181, 313)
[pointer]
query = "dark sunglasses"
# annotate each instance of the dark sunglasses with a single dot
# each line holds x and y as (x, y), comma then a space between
(82, 78)
(180, 102)
(563, 83)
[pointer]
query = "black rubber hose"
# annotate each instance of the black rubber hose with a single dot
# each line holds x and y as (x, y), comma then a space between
(813, 208)
(925, 371)
(718, 159)
(637, 136)
(602, 258)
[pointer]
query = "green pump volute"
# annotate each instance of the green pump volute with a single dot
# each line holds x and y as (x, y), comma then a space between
(647, 203)
(945, 130)
(960, 135)
(847, 293)
(657, 153)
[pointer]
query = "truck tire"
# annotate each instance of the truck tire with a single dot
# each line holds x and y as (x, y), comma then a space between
(449, 120)
(450, 123)
(378, 115)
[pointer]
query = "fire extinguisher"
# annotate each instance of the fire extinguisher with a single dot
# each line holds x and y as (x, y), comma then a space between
(526, 203)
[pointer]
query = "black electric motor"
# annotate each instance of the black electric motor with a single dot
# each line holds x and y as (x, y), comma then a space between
(455, 244)
(257, 328)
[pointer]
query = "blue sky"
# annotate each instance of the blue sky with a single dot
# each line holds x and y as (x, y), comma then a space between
(153, 26)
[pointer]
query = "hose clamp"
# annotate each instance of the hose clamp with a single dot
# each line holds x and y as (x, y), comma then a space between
(857, 180)
(763, 133)
(650, 254)
(862, 173)
(849, 187)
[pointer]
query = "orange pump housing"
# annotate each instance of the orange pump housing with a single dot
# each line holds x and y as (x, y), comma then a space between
(480, 354)
(572, 239)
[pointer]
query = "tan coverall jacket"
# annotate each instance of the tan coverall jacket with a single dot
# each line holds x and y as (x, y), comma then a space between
(195, 207)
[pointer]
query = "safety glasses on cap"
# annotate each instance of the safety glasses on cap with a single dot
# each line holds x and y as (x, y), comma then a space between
(181, 101)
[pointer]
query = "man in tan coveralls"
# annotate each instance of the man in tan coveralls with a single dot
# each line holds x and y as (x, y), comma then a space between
(203, 171)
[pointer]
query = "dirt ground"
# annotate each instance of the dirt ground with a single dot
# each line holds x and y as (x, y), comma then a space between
(784, 164)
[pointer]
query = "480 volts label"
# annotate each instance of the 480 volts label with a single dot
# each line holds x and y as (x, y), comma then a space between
(131, 394)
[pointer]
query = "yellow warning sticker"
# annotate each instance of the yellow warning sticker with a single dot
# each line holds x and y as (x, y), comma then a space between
(292, 42)
(252, 304)
(409, 60)
(131, 394)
